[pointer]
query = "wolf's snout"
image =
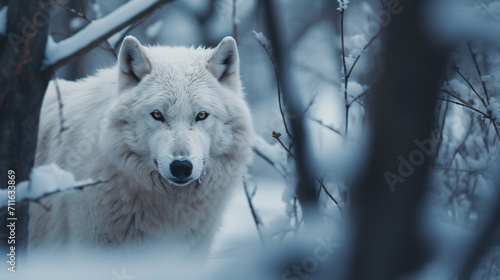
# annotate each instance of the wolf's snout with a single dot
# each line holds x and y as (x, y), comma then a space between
(181, 169)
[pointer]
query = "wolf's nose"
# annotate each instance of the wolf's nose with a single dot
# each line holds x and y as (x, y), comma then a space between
(181, 169)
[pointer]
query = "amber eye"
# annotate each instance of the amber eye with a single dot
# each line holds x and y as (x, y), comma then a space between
(157, 115)
(202, 115)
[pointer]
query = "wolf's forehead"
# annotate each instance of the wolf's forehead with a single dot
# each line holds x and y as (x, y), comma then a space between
(177, 57)
(179, 81)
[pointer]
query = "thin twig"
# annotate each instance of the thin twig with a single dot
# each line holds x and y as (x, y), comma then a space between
(59, 101)
(311, 102)
(457, 69)
(344, 64)
(464, 105)
(359, 96)
(321, 183)
(256, 218)
(326, 126)
(347, 74)
(80, 15)
(271, 57)
(277, 135)
(363, 51)
(469, 46)
(88, 20)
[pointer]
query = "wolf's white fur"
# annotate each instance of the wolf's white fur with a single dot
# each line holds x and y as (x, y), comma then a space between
(111, 131)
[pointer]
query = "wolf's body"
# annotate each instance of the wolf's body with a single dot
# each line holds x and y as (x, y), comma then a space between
(113, 129)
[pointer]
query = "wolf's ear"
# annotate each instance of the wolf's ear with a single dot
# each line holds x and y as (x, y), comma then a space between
(224, 63)
(133, 63)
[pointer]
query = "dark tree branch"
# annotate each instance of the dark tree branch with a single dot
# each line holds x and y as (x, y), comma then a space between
(280, 99)
(306, 187)
(256, 218)
(457, 69)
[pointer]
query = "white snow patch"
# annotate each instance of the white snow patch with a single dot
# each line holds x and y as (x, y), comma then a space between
(494, 107)
(342, 5)
(153, 30)
(278, 225)
(76, 23)
(44, 179)
(261, 38)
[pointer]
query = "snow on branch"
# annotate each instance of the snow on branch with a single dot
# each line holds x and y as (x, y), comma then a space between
(45, 180)
(58, 54)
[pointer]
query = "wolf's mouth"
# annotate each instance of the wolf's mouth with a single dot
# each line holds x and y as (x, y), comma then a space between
(180, 182)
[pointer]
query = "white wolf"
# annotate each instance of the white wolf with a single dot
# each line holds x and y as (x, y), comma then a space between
(171, 122)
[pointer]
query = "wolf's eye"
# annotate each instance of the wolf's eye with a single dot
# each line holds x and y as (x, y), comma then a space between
(202, 115)
(157, 115)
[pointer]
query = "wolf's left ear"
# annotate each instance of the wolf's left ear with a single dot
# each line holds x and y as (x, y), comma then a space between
(225, 63)
(133, 63)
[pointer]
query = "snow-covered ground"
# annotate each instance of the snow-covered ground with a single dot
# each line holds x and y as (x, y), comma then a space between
(238, 234)
(237, 239)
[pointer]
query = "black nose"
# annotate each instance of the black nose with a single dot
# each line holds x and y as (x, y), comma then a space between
(181, 169)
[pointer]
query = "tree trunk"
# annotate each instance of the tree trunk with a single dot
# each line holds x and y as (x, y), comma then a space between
(386, 201)
(22, 87)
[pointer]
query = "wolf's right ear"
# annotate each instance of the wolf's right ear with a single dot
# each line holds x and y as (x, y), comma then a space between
(224, 63)
(133, 64)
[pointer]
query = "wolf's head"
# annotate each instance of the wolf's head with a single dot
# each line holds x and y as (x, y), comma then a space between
(183, 107)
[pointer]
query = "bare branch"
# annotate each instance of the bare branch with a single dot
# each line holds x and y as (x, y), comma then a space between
(311, 102)
(320, 122)
(256, 218)
(363, 51)
(344, 64)
(359, 96)
(271, 57)
(457, 69)
(306, 185)
(98, 31)
(322, 184)
(464, 105)
(59, 101)
(277, 135)
(469, 46)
